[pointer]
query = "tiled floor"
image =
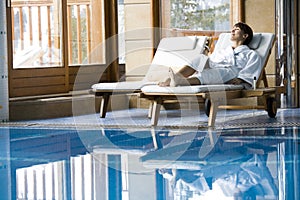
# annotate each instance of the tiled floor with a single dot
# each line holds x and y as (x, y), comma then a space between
(177, 119)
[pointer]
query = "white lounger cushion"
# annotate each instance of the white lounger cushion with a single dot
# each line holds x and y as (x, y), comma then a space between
(165, 57)
(178, 43)
(189, 89)
(255, 42)
(120, 86)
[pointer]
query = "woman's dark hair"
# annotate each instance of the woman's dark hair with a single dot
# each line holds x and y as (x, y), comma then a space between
(247, 30)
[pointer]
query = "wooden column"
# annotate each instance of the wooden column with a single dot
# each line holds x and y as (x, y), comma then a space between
(111, 31)
(97, 32)
(237, 9)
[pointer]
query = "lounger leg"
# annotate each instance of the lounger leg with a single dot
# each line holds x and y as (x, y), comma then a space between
(156, 140)
(104, 105)
(155, 111)
(150, 110)
(213, 113)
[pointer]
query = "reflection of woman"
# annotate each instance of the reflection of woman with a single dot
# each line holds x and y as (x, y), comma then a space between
(189, 178)
(246, 179)
(237, 64)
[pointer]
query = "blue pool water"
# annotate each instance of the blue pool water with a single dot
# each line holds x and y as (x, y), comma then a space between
(70, 163)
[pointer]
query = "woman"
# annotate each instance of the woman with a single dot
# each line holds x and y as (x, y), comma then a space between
(236, 64)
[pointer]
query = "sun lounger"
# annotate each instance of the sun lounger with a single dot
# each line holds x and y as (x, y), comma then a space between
(171, 51)
(216, 96)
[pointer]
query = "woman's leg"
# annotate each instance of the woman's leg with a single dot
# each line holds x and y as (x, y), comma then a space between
(217, 75)
(183, 73)
(194, 81)
(186, 71)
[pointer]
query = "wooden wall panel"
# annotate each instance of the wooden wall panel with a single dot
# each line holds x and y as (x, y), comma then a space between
(30, 82)
(38, 81)
(39, 90)
(138, 37)
(82, 78)
(266, 11)
(22, 73)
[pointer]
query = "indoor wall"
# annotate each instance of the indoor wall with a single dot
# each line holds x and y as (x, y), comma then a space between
(260, 15)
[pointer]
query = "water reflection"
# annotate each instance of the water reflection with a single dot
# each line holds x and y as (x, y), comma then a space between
(255, 164)
(149, 164)
(231, 169)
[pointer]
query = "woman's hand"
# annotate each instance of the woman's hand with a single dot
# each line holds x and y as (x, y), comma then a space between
(235, 81)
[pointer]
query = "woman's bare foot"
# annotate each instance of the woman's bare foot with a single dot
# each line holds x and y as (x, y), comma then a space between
(173, 80)
(165, 83)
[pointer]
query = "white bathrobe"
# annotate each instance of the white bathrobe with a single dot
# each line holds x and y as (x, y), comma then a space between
(229, 63)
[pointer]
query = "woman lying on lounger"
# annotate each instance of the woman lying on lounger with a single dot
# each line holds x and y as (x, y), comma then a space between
(236, 64)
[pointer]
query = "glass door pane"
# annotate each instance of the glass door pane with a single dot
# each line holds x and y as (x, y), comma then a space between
(36, 33)
(86, 32)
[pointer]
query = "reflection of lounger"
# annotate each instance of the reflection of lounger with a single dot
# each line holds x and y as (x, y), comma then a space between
(230, 166)
(216, 95)
(251, 178)
(172, 52)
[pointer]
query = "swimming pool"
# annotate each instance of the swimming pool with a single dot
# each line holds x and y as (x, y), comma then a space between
(107, 163)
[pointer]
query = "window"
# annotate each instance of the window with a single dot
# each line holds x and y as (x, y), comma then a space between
(38, 27)
(196, 14)
(86, 32)
(36, 34)
(50, 40)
